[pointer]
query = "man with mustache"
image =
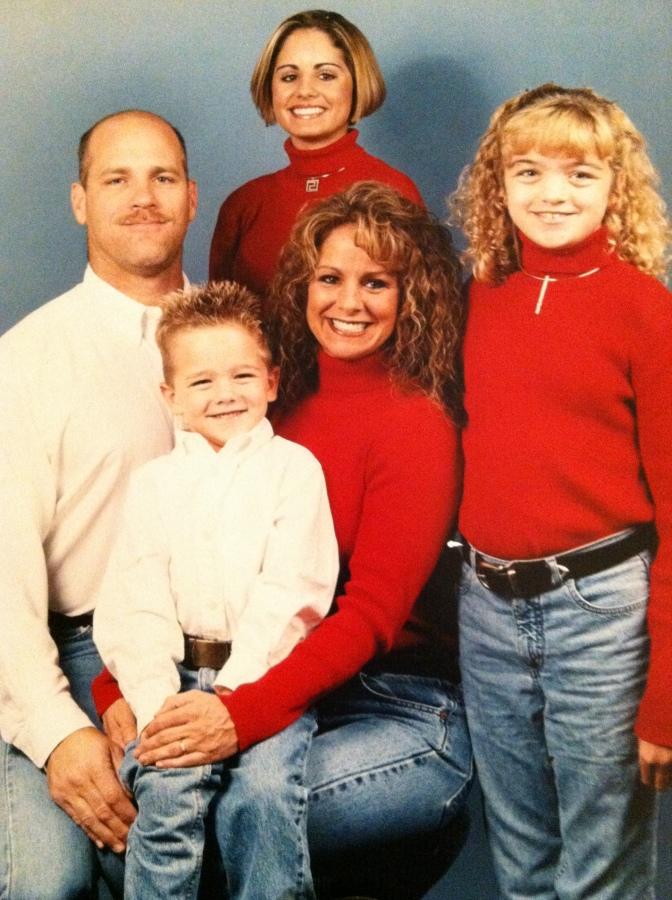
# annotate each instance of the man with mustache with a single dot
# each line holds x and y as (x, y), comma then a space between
(81, 408)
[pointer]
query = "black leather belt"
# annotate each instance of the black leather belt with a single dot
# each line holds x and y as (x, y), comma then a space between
(60, 620)
(527, 578)
(200, 652)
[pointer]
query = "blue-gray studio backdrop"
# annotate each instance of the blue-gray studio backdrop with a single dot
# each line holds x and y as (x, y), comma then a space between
(66, 63)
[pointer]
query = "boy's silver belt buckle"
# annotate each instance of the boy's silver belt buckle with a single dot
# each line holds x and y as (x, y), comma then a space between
(202, 652)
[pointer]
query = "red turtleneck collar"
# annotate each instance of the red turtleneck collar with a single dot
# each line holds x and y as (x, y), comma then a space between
(325, 160)
(592, 253)
(345, 377)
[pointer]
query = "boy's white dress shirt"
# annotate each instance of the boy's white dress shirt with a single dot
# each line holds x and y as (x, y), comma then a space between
(234, 545)
(80, 409)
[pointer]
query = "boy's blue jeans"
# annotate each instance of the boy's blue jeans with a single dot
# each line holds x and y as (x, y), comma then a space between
(264, 848)
(552, 685)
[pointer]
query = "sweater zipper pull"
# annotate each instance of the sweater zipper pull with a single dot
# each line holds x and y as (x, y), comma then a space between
(542, 294)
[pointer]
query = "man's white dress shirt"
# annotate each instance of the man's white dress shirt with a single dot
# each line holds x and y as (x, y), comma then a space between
(233, 545)
(80, 408)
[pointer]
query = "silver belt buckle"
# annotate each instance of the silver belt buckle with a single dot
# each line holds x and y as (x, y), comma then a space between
(485, 568)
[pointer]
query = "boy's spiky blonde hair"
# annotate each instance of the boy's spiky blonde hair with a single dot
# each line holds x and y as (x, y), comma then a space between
(554, 120)
(205, 305)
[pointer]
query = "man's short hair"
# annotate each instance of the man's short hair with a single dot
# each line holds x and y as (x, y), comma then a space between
(83, 147)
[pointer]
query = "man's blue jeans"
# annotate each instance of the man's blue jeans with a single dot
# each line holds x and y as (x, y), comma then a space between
(43, 854)
(552, 685)
(262, 818)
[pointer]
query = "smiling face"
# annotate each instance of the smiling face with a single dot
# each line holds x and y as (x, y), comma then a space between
(221, 381)
(137, 201)
(557, 201)
(352, 300)
(312, 89)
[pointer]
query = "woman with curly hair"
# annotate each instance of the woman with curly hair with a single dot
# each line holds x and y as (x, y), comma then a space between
(367, 320)
(567, 491)
(367, 316)
(316, 77)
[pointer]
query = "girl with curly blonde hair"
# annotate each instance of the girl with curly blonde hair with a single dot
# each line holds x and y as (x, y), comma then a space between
(566, 509)
(567, 122)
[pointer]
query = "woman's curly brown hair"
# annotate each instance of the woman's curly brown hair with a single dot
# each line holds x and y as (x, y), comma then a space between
(422, 353)
(567, 121)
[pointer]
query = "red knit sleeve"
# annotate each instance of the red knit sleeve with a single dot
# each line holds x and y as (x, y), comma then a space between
(412, 484)
(377, 170)
(408, 189)
(105, 691)
(226, 237)
(652, 383)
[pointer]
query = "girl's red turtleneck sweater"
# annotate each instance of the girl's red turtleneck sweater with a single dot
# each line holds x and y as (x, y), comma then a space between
(392, 467)
(569, 401)
(255, 220)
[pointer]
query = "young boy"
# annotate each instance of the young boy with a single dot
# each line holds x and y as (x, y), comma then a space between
(226, 559)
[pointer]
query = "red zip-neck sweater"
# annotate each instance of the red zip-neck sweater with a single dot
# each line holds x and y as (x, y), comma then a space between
(392, 467)
(569, 404)
(255, 220)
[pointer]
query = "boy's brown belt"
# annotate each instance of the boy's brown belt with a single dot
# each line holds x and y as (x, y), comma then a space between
(200, 652)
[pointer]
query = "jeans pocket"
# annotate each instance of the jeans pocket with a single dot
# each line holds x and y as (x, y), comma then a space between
(618, 591)
(430, 695)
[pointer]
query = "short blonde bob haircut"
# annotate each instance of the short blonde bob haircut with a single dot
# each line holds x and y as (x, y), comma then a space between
(368, 85)
(572, 122)
(205, 306)
(422, 353)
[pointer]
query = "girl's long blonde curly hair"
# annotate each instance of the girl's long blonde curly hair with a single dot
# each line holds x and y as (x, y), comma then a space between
(572, 122)
(422, 353)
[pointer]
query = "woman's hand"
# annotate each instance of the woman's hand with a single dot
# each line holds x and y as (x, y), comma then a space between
(655, 765)
(120, 727)
(190, 729)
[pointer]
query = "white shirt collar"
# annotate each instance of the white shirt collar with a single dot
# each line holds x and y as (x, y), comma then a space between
(136, 319)
(191, 443)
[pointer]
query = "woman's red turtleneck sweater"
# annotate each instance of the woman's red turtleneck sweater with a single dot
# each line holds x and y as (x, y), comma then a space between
(569, 404)
(255, 220)
(392, 467)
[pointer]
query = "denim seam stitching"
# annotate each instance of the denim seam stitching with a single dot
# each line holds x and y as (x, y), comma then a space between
(461, 792)
(316, 789)
(614, 612)
(406, 704)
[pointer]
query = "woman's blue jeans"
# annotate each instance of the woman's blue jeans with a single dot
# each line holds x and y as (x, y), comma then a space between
(552, 685)
(391, 758)
(262, 818)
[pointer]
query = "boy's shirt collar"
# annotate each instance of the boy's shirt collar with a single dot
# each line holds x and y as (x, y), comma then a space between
(191, 443)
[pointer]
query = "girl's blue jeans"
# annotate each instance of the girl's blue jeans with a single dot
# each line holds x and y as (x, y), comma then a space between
(552, 685)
